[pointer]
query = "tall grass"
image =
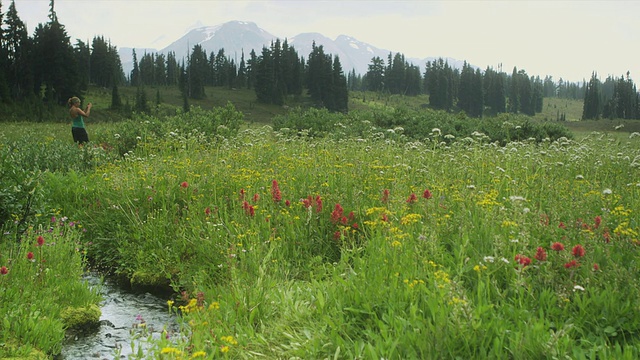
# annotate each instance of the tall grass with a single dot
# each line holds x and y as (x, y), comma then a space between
(374, 248)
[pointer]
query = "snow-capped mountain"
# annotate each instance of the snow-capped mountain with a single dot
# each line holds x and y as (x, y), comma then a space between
(236, 37)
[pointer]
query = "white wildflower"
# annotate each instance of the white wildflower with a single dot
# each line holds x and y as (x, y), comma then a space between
(607, 192)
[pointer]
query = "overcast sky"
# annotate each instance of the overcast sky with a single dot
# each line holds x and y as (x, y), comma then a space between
(568, 39)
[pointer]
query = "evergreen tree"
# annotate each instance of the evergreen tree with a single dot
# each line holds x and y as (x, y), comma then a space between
(135, 72)
(375, 75)
(495, 91)
(195, 72)
(514, 93)
(319, 77)
(82, 54)
(173, 70)
(116, 101)
(242, 72)
(592, 107)
(54, 61)
(339, 92)
(251, 69)
(18, 48)
(264, 76)
(160, 70)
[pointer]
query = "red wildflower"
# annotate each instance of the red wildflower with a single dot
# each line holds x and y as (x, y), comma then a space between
(385, 196)
(352, 216)
(256, 197)
(242, 192)
(318, 203)
(597, 221)
(385, 218)
(578, 251)
(251, 211)
(606, 236)
(30, 255)
(275, 191)
(40, 240)
(523, 260)
(427, 194)
(596, 267)
(562, 225)
(337, 235)
(184, 184)
(287, 203)
(412, 198)
(541, 254)
(557, 246)
(307, 202)
(355, 226)
(4, 270)
(207, 211)
(344, 220)
(571, 264)
(336, 215)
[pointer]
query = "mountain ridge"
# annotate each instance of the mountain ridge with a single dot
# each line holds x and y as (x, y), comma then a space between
(240, 37)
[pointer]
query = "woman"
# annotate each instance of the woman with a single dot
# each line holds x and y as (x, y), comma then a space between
(77, 129)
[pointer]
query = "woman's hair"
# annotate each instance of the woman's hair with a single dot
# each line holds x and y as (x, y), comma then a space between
(73, 100)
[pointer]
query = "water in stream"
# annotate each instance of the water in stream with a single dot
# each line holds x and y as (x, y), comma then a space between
(122, 313)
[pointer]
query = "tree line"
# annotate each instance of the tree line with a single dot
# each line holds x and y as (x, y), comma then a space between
(47, 69)
(613, 99)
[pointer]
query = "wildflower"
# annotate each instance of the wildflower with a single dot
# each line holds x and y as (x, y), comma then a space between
(427, 194)
(412, 198)
(170, 350)
(275, 191)
(385, 218)
(385, 196)
(571, 264)
(541, 254)
(337, 235)
(607, 192)
(578, 251)
(597, 221)
(336, 215)
(198, 354)
(489, 259)
(596, 267)
(30, 255)
(242, 192)
(544, 219)
(184, 184)
(606, 236)
(224, 349)
(318, 204)
(287, 203)
(523, 260)
(557, 246)
(578, 287)
(256, 197)
(40, 240)
(207, 211)
(562, 225)
(4, 270)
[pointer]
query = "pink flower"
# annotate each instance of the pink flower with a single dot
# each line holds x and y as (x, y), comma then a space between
(557, 246)
(578, 251)
(184, 184)
(40, 240)
(427, 194)
(30, 255)
(4, 270)
(541, 254)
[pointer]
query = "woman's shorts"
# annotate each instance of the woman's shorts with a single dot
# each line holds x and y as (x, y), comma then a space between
(79, 135)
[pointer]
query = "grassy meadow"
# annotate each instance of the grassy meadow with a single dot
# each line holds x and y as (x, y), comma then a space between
(281, 245)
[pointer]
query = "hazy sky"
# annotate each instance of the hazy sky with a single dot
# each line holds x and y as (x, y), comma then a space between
(568, 39)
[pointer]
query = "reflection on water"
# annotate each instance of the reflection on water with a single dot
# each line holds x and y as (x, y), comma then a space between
(126, 317)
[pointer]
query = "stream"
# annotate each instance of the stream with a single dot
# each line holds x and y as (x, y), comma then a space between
(123, 312)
